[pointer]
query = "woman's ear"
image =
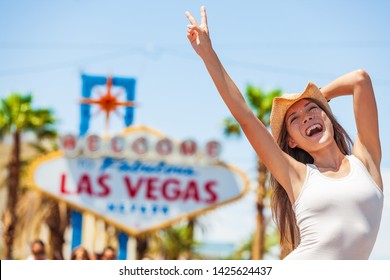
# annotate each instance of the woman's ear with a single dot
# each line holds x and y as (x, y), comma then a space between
(291, 143)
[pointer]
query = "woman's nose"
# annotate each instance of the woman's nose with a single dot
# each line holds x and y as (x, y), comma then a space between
(307, 119)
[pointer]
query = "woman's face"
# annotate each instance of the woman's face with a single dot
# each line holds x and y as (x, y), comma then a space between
(308, 126)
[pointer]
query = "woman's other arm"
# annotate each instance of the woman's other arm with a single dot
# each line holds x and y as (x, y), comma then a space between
(367, 145)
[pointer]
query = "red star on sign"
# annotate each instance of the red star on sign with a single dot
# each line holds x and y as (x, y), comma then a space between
(108, 102)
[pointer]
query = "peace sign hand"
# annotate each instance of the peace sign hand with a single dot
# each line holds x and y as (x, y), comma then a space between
(198, 35)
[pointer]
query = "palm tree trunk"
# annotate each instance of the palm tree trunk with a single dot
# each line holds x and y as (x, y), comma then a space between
(191, 233)
(13, 181)
(142, 246)
(259, 235)
(57, 221)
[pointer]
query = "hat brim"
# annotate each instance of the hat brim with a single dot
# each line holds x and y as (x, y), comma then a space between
(281, 104)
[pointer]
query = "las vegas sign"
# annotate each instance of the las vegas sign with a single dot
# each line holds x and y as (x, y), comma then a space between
(138, 181)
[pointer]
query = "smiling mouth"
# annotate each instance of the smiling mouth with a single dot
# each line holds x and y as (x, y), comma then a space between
(314, 129)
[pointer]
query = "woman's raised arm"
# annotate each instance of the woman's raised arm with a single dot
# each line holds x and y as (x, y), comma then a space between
(282, 166)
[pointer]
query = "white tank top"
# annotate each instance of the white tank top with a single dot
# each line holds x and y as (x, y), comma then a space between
(338, 219)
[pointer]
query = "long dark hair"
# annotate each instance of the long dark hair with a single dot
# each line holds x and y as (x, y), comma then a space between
(282, 210)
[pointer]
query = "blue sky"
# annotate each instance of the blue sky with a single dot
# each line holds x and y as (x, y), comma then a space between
(46, 45)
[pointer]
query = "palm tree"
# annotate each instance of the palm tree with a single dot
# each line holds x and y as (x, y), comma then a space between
(244, 251)
(17, 117)
(261, 103)
(172, 243)
(178, 241)
(35, 209)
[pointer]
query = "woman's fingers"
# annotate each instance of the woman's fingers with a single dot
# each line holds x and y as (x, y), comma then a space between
(193, 29)
(196, 28)
(190, 18)
(203, 16)
(191, 36)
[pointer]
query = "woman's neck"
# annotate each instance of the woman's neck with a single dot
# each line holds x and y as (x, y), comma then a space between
(330, 159)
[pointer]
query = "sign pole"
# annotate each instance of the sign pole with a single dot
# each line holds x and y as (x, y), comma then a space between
(77, 224)
(123, 238)
(88, 82)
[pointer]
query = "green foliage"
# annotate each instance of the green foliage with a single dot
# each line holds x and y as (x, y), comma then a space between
(261, 104)
(17, 114)
(231, 127)
(178, 241)
(244, 250)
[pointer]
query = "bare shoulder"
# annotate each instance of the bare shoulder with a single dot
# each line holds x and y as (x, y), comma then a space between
(372, 165)
(297, 175)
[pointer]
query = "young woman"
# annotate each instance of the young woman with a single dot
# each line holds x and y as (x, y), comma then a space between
(327, 198)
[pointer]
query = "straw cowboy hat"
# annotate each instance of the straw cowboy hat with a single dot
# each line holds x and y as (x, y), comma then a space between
(281, 104)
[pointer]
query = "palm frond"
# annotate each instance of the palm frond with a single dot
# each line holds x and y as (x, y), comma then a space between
(231, 127)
